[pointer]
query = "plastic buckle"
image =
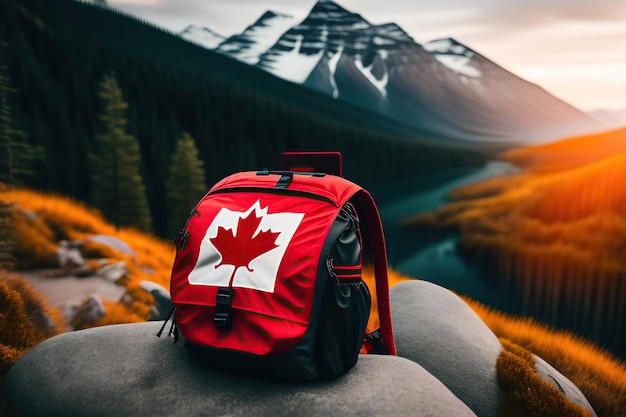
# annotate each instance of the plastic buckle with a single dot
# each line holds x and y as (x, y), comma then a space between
(376, 341)
(223, 310)
(284, 181)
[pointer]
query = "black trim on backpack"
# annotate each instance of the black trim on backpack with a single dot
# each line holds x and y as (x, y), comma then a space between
(339, 316)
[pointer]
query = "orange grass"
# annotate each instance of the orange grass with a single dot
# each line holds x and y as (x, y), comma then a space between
(57, 217)
(570, 153)
(600, 376)
(581, 192)
(120, 314)
(26, 319)
(524, 393)
(68, 218)
(556, 237)
(44, 219)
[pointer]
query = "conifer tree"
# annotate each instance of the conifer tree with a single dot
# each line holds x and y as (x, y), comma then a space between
(117, 187)
(185, 184)
(7, 235)
(16, 155)
(12, 154)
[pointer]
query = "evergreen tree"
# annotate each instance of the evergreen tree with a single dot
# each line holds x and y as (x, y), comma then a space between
(16, 156)
(117, 186)
(7, 235)
(185, 184)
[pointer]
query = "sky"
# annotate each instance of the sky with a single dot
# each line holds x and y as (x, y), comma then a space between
(574, 49)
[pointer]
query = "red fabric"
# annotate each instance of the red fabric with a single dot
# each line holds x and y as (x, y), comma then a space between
(374, 239)
(285, 312)
(241, 239)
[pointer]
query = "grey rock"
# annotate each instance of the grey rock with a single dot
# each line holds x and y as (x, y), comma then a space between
(567, 387)
(162, 299)
(114, 243)
(68, 255)
(438, 330)
(89, 312)
(125, 370)
(112, 271)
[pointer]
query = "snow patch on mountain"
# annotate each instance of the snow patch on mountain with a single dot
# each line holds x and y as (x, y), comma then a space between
(202, 36)
(332, 67)
(441, 86)
(293, 65)
(257, 38)
(377, 40)
(380, 84)
(454, 56)
(101, 3)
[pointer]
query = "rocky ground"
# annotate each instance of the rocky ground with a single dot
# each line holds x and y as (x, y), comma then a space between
(66, 292)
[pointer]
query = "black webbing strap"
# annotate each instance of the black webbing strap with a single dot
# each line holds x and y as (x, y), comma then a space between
(376, 342)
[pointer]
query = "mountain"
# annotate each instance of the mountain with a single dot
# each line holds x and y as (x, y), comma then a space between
(256, 38)
(95, 2)
(612, 119)
(240, 116)
(202, 36)
(442, 87)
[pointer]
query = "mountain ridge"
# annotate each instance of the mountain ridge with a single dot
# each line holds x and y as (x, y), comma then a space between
(455, 91)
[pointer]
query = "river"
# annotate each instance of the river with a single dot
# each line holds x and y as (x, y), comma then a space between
(433, 257)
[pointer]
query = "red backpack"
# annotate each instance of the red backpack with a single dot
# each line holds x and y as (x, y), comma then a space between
(267, 276)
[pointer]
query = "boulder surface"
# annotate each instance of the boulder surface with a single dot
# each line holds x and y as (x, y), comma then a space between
(126, 370)
(437, 329)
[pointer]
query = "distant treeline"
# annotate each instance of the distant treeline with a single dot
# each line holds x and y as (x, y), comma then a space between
(240, 117)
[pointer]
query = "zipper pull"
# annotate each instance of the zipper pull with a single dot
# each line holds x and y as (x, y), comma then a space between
(181, 239)
(183, 234)
(331, 269)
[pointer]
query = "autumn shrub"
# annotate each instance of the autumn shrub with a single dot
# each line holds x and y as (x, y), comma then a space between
(524, 393)
(27, 319)
(34, 246)
(569, 153)
(68, 218)
(44, 219)
(154, 256)
(581, 192)
(117, 313)
(599, 375)
(555, 235)
(91, 249)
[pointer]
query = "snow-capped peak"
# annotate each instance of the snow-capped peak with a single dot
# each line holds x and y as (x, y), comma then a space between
(328, 33)
(257, 38)
(454, 55)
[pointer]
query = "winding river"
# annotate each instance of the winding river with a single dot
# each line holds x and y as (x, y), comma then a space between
(434, 258)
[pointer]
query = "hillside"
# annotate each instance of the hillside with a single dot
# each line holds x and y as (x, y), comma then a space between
(240, 117)
(554, 235)
(43, 221)
(442, 86)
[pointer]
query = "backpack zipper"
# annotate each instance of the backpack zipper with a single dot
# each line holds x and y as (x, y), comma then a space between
(183, 235)
(277, 191)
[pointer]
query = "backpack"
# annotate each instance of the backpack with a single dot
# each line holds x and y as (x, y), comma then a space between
(267, 276)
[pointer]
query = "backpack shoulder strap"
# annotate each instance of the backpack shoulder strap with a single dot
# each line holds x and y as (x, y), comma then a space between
(374, 248)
